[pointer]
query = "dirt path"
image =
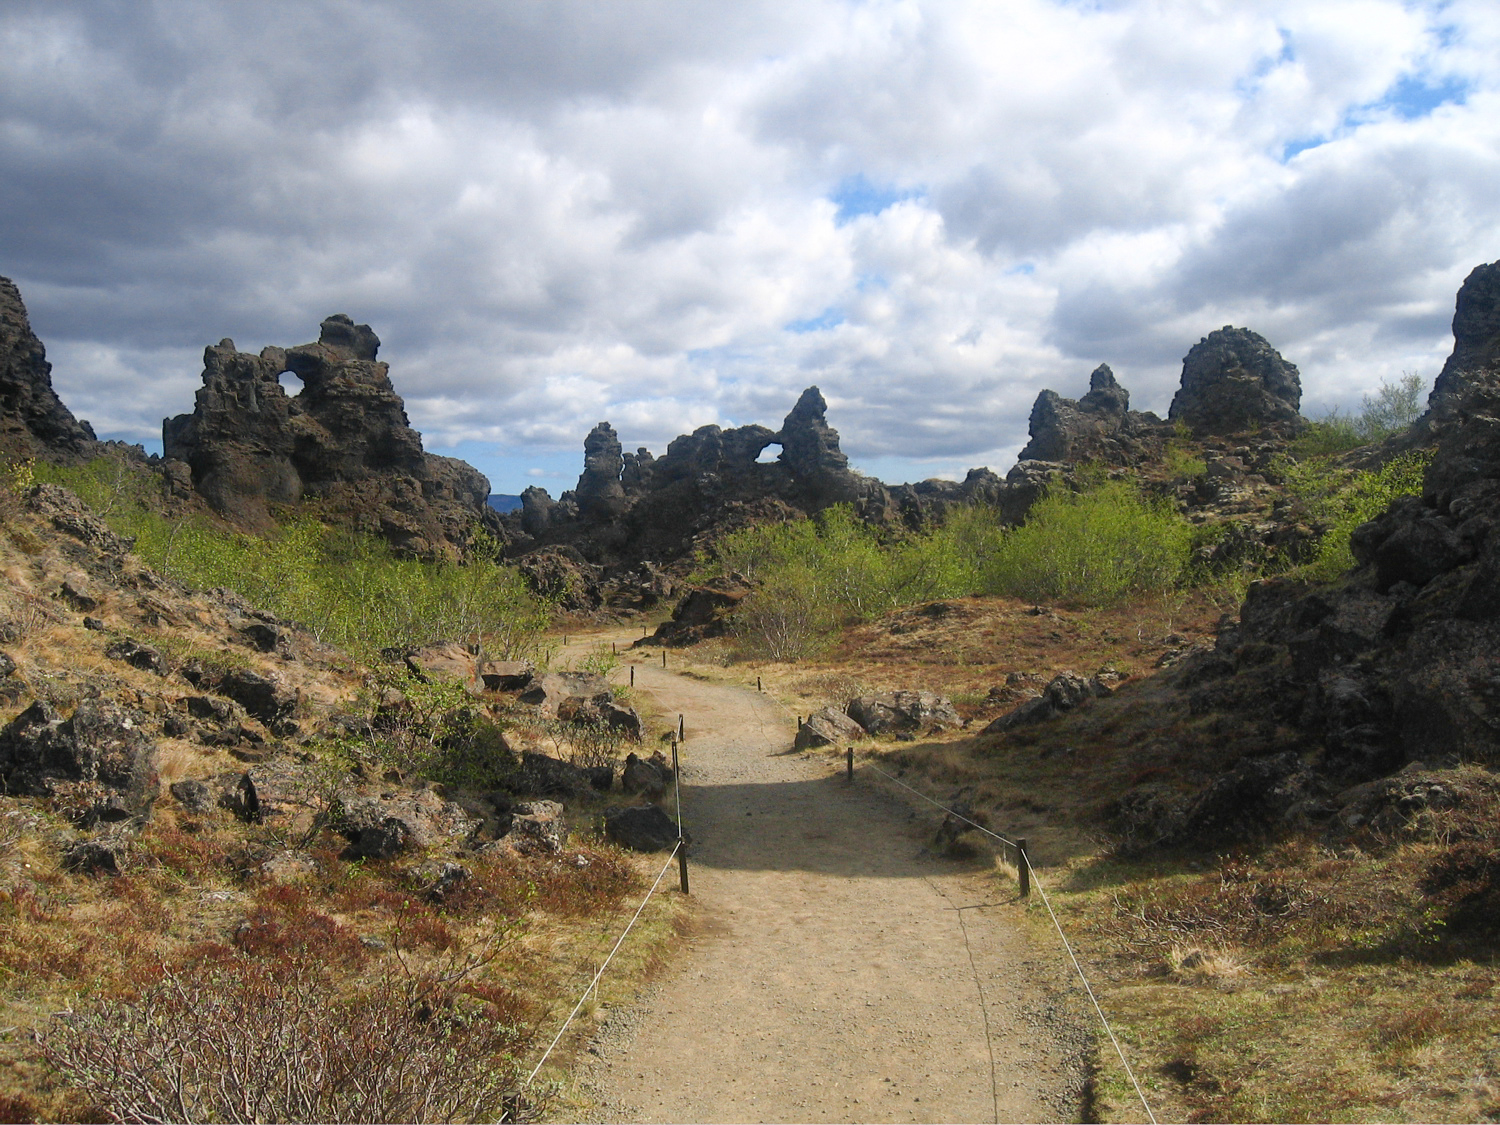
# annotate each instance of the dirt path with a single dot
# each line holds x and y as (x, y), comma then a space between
(839, 973)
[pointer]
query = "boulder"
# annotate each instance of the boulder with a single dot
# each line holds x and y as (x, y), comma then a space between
(541, 775)
(640, 828)
(137, 655)
(1064, 692)
(98, 764)
(536, 828)
(382, 826)
(446, 661)
(506, 675)
(602, 711)
(1233, 380)
(646, 776)
(548, 692)
(897, 711)
(827, 727)
(435, 879)
(109, 853)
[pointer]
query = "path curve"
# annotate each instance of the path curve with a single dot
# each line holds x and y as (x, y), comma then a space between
(838, 972)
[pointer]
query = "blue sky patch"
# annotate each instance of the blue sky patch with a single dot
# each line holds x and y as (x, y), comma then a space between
(828, 318)
(857, 196)
(1292, 148)
(1413, 97)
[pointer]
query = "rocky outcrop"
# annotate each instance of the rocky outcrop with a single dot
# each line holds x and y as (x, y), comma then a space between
(343, 441)
(1098, 427)
(1325, 687)
(33, 420)
(1476, 334)
(631, 508)
(1234, 381)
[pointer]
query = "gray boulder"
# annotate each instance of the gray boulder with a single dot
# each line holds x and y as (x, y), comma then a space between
(1064, 692)
(642, 828)
(828, 727)
(899, 711)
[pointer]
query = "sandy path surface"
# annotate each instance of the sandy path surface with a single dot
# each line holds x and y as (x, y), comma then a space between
(839, 973)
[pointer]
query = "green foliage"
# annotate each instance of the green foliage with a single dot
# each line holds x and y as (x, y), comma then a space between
(1394, 407)
(1182, 462)
(814, 576)
(601, 661)
(1090, 548)
(349, 589)
(1343, 499)
(436, 732)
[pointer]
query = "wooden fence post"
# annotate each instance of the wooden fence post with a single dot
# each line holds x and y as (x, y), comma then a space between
(681, 730)
(1023, 867)
(663, 658)
(632, 675)
(849, 760)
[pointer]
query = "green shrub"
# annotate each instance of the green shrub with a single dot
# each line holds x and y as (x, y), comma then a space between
(1393, 408)
(1090, 548)
(348, 589)
(1344, 499)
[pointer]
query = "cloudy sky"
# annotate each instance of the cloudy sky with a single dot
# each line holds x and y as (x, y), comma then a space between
(671, 214)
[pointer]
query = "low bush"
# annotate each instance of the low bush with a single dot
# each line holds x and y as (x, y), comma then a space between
(1342, 499)
(348, 589)
(1091, 548)
(236, 1039)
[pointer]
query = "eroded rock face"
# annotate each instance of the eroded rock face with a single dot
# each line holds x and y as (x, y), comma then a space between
(1234, 381)
(1476, 332)
(33, 420)
(344, 439)
(1098, 427)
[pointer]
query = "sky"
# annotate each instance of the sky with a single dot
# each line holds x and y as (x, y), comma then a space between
(666, 215)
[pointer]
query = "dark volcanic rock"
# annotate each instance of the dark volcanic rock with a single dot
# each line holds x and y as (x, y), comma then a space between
(1098, 427)
(1233, 381)
(344, 439)
(33, 420)
(810, 448)
(641, 829)
(1401, 660)
(98, 764)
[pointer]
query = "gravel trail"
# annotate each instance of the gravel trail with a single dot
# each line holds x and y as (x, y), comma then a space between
(838, 972)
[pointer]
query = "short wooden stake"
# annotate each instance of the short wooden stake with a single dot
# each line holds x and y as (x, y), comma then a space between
(645, 629)
(632, 675)
(757, 684)
(681, 730)
(1023, 867)
(565, 638)
(612, 649)
(849, 760)
(663, 658)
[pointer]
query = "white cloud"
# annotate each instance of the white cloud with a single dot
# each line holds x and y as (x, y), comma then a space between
(557, 213)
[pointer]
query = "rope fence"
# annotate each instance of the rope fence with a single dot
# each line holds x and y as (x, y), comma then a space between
(1027, 875)
(593, 983)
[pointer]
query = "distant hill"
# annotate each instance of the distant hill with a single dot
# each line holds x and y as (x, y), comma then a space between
(503, 503)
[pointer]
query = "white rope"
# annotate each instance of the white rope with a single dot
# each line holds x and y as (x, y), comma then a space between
(602, 967)
(1079, 968)
(945, 808)
(1024, 858)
